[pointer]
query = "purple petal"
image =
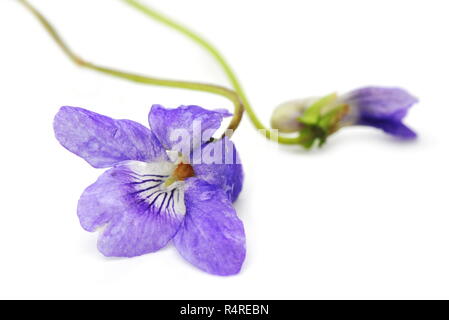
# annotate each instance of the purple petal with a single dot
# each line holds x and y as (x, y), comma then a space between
(220, 165)
(380, 103)
(138, 213)
(192, 122)
(395, 128)
(103, 141)
(211, 236)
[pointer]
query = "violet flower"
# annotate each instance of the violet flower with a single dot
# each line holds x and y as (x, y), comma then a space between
(382, 108)
(148, 197)
(317, 118)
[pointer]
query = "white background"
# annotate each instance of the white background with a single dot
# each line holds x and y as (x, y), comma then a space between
(364, 217)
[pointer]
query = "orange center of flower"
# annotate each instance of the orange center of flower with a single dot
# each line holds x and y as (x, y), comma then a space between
(183, 171)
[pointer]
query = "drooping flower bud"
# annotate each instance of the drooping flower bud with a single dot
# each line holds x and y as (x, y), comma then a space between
(285, 117)
(315, 119)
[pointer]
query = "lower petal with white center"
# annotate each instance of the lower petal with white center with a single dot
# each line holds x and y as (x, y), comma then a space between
(136, 210)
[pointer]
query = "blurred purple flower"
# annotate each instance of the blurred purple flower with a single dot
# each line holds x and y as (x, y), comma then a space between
(318, 118)
(382, 108)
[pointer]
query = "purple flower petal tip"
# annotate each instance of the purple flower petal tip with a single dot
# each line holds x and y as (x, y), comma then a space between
(170, 124)
(212, 219)
(394, 128)
(146, 198)
(103, 141)
(382, 108)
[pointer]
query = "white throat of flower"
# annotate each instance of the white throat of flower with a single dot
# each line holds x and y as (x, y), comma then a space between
(161, 185)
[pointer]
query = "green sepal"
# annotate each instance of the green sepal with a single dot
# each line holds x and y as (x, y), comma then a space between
(321, 120)
(313, 113)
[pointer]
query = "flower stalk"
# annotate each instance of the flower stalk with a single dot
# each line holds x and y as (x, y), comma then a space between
(382, 108)
(215, 53)
(197, 86)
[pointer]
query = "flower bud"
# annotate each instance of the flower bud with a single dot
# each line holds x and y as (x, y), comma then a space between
(285, 117)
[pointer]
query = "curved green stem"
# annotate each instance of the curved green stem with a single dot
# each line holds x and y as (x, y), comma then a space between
(219, 58)
(227, 93)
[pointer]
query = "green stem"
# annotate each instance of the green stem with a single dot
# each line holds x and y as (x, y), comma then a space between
(231, 95)
(220, 59)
